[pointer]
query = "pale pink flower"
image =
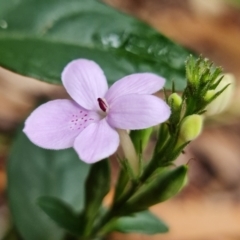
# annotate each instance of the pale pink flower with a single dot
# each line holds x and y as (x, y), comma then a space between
(89, 122)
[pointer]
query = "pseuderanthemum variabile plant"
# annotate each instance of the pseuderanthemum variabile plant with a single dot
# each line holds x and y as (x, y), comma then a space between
(90, 121)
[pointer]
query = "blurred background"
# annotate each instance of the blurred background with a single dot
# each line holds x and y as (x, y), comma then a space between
(209, 207)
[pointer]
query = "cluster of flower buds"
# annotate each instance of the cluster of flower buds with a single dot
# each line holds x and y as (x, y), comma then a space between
(207, 92)
(205, 84)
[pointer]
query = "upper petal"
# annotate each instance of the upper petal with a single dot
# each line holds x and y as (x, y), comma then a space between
(85, 82)
(56, 124)
(96, 142)
(135, 111)
(141, 83)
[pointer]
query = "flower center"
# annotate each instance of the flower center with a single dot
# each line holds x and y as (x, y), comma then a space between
(102, 104)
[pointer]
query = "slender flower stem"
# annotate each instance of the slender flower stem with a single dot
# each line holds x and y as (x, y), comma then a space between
(115, 210)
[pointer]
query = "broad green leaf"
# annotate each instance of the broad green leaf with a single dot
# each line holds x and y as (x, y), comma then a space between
(142, 222)
(34, 172)
(61, 213)
(38, 38)
(96, 187)
(164, 186)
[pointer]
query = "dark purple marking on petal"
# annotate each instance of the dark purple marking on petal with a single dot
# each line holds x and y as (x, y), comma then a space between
(79, 121)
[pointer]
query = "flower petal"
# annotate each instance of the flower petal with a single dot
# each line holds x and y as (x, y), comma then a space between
(135, 111)
(96, 142)
(85, 82)
(56, 124)
(141, 83)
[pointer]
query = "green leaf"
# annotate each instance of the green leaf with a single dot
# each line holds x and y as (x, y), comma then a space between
(61, 213)
(142, 222)
(34, 172)
(96, 187)
(38, 38)
(166, 185)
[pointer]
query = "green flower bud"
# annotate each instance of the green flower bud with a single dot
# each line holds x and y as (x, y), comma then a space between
(175, 101)
(191, 127)
(220, 104)
(209, 95)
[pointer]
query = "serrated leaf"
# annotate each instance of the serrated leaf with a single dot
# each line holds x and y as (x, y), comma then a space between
(142, 222)
(34, 172)
(61, 213)
(38, 38)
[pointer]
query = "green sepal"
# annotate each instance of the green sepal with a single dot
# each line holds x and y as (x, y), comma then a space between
(140, 138)
(122, 182)
(143, 222)
(212, 98)
(166, 185)
(163, 135)
(191, 71)
(202, 76)
(97, 186)
(219, 92)
(61, 213)
(173, 87)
